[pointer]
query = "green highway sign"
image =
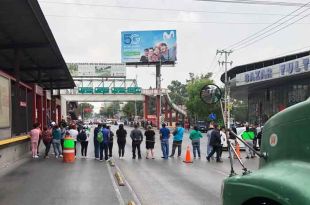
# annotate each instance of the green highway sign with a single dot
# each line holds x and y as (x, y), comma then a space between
(102, 90)
(118, 90)
(85, 90)
(133, 90)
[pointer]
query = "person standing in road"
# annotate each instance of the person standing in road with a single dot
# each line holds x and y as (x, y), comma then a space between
(248, 137)
(121, 134)
(195, 136)
(164, 139)
(136, 137)
(73, 133)
(177, 140)
(110, 143)
(223, 140)
(149, 141)
(209, 147)
(96, 143)
(104, 144)
(56, 133)
(83, 139)
(47, 140)
(215, 142)
(35, 135)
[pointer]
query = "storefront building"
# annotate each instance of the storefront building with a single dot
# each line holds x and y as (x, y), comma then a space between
(272, 85)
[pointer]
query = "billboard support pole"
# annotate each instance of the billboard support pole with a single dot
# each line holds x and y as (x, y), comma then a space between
(158, 97)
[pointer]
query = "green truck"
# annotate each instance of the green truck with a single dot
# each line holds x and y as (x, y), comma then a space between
(283, 177)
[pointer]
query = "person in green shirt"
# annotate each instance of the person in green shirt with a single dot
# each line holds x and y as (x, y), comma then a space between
(195, 136)
(248, 137)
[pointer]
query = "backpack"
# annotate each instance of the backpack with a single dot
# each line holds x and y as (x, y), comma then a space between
(47, 137)
(100, 136)
(82, 136)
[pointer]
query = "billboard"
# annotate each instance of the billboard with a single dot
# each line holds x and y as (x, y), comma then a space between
(149, 46)
(97, 69)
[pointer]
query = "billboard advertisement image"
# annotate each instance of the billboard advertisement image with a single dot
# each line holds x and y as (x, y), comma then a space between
(97, 69)
(149, 46)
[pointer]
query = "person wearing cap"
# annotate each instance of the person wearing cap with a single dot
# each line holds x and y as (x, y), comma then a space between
(164, 140)
(149, 141)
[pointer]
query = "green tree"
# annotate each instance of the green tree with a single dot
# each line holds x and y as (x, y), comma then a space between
(178, 92)
(111, 110)
(195, 106)
(129, 109)
(85, 110)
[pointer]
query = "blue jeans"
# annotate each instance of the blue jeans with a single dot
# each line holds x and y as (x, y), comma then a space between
(97, 148)
(56, 146)
(196, 147)
(165, 147)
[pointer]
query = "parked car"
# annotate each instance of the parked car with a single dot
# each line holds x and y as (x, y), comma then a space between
(202, 126)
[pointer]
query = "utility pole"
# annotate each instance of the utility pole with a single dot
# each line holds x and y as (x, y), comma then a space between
(227, 89)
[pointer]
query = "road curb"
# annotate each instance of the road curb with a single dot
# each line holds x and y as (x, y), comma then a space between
(119, 179)
(131, 203)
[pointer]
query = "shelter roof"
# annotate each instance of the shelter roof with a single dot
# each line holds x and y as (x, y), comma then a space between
(25, 35)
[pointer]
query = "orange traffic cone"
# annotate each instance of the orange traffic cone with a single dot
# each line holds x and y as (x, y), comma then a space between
(188, 158)
(238, 150)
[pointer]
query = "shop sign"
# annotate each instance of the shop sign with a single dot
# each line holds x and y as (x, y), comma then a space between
(288, 68)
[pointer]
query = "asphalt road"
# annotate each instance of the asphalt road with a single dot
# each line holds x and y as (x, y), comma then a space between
(87, 181)
(173, 181)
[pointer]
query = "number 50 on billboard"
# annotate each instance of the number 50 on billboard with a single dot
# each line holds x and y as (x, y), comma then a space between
(149, 46)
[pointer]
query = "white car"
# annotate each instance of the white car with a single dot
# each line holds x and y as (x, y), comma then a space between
(240, 130)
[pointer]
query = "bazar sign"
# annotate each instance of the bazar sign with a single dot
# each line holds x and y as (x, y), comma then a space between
(97, 69)
(288, 68)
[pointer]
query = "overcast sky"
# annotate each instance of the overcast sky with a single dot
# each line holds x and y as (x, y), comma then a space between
(91, 33)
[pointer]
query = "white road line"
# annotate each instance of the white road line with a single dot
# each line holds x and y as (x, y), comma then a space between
(133, 193)
(116, 189)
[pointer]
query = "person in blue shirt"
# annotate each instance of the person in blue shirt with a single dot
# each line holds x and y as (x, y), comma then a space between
(164, 139)
(104, 144)
(177, 140)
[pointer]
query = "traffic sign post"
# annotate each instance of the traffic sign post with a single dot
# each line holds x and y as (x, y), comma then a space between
(116, 90)
(102, 90)
(134, 90)
(85, 90)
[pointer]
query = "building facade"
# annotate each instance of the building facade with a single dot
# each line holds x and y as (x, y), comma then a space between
(271, 86)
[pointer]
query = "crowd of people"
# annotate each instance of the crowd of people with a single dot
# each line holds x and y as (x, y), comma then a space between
(104, 140)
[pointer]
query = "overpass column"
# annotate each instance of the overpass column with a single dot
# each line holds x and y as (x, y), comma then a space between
(63, 106)
(166, 111)
(158, 113)
(146, 106)
(44, 107)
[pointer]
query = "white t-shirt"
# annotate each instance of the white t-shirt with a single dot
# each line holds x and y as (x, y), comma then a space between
(73, 133)
(223, 137)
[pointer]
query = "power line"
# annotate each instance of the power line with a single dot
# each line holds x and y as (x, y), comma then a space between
(263, 31)
(253, 2)
(161, 9)
(161, 21)
(272, 33)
